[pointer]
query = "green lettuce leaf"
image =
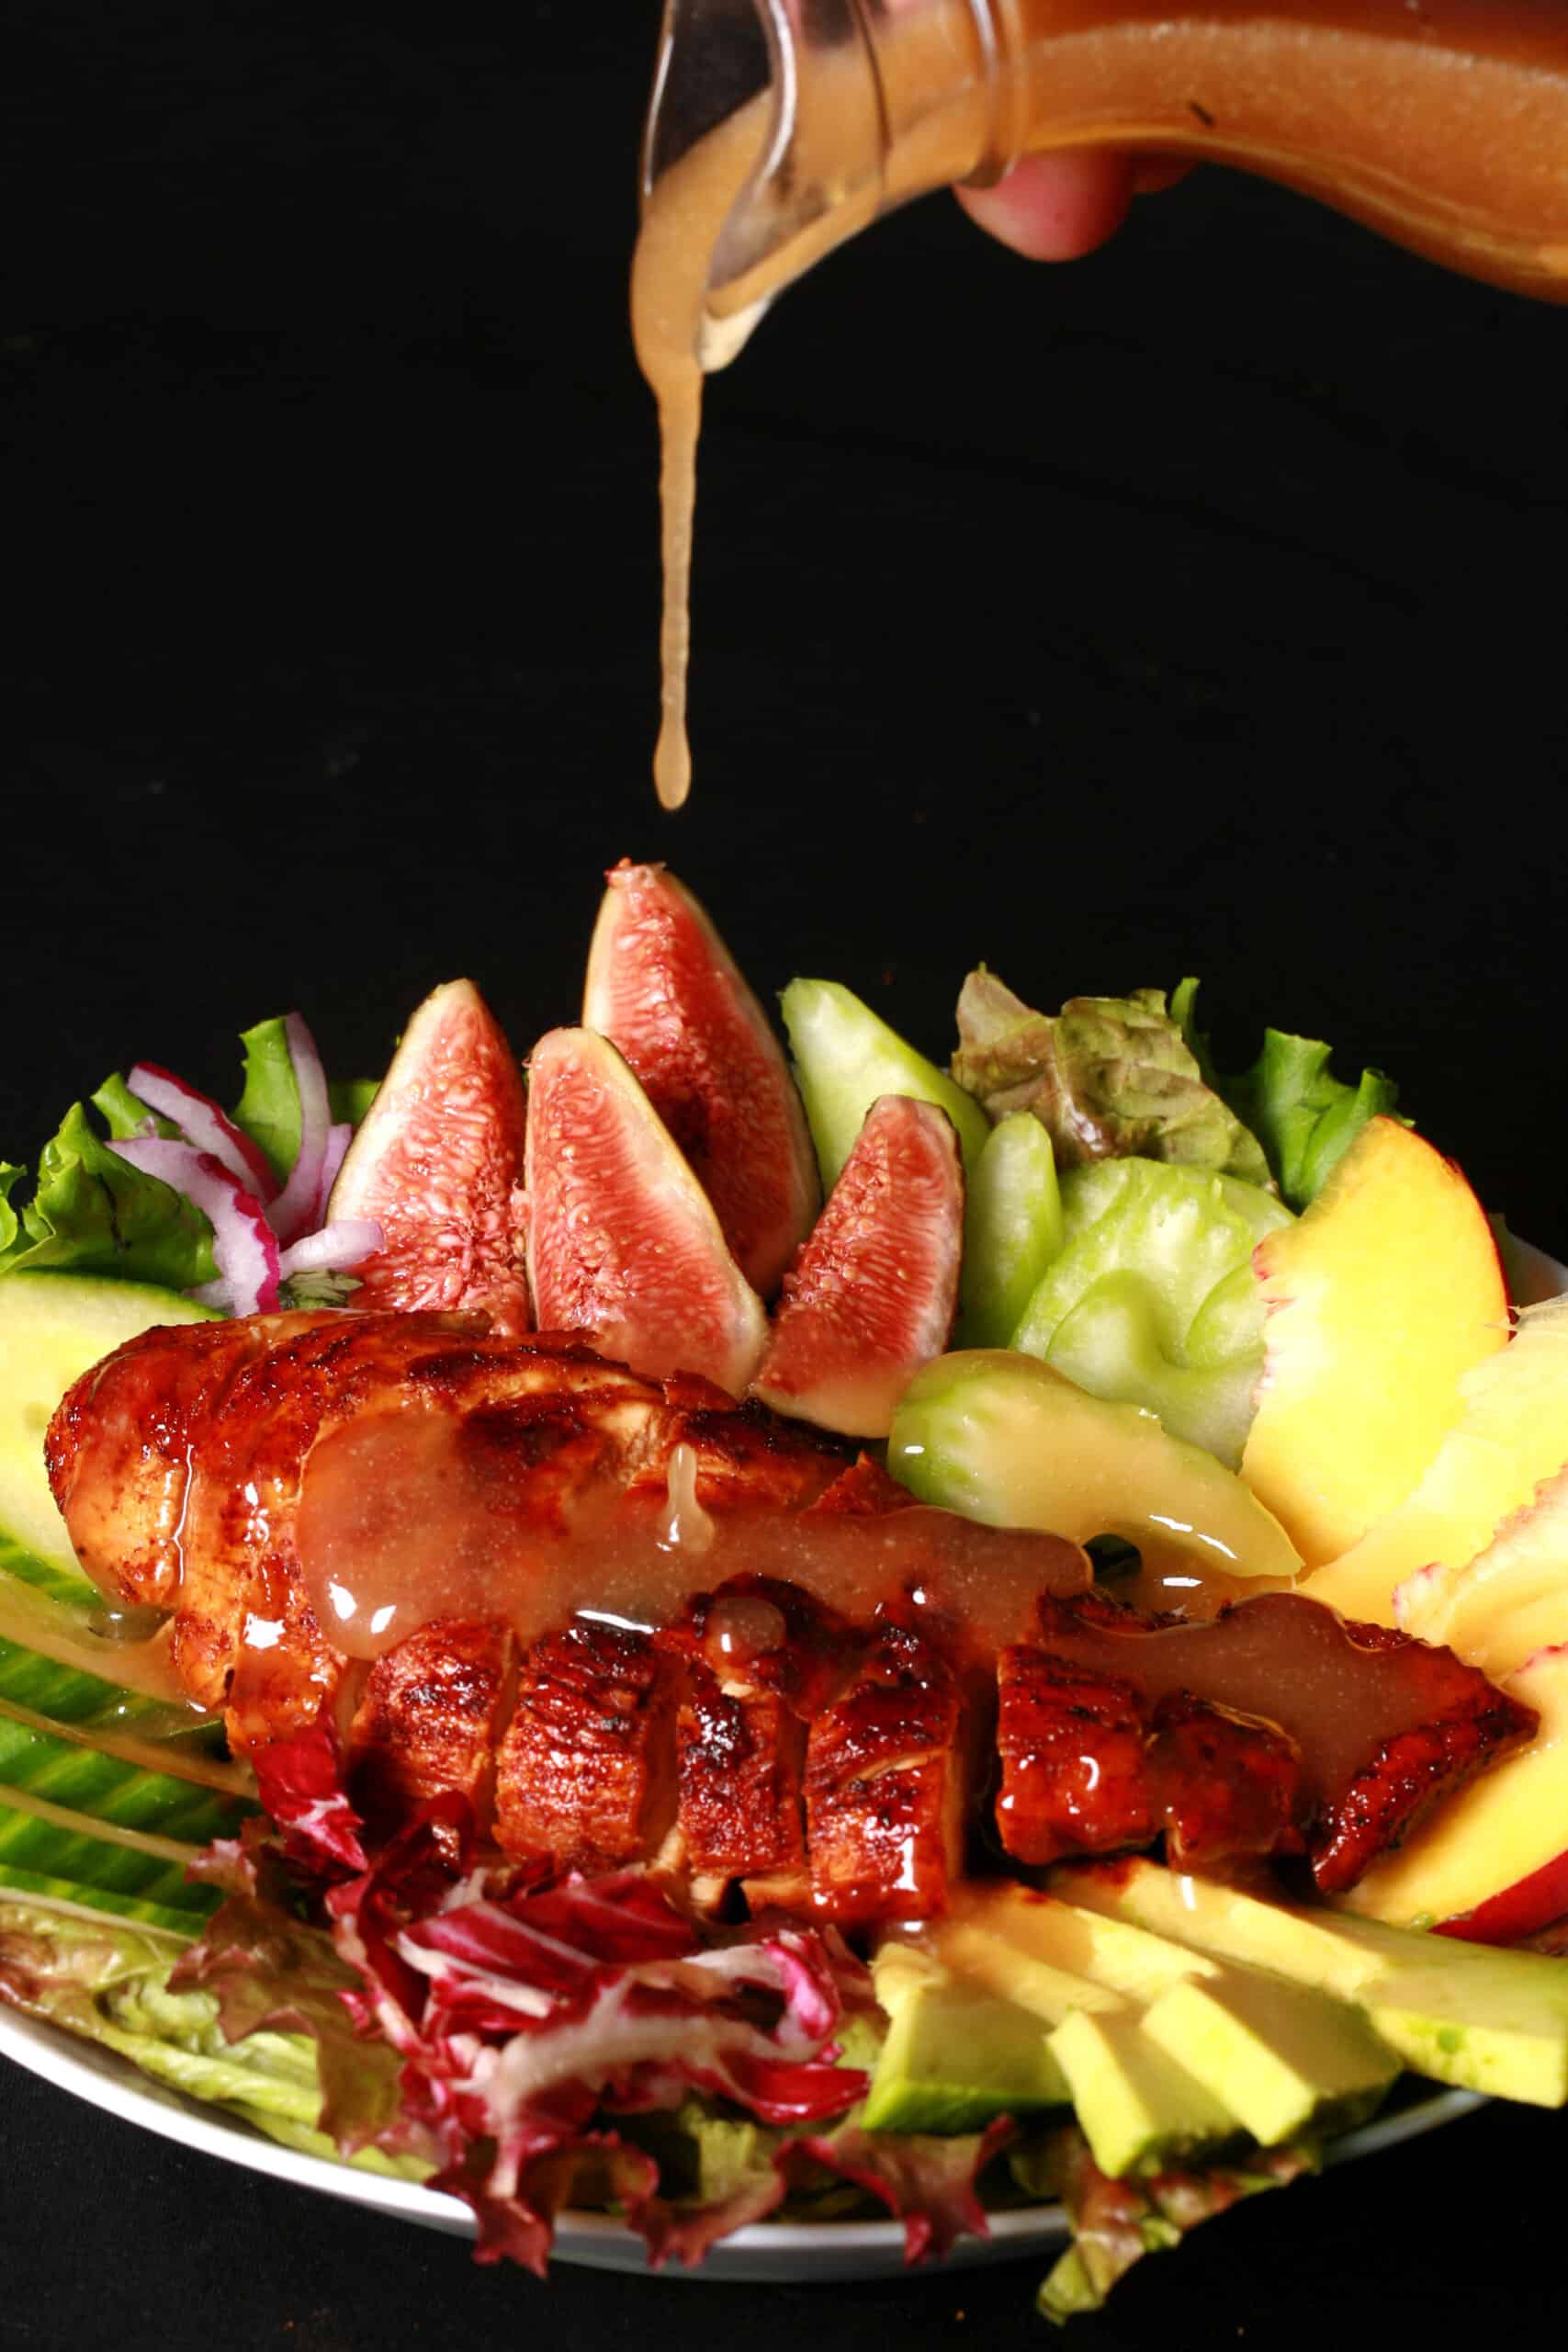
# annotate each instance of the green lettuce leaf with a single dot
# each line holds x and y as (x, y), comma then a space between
(1305, 1118)
(125, 1115)
(110, 1983)
(1152, 1300)
(94, 1213)
(1108, 1076)
(268, 1107)
(350, 1098)
(1115, 2222)
(10, 1175)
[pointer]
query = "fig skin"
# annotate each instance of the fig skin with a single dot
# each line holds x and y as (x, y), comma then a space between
(663, 988)
(438, 1163)
(873, 1294)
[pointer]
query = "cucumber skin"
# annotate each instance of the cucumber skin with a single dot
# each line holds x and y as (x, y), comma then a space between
(199, 1904)
(107, 1788)
(68, 1322)
(67, 1695)
(89, 1869)
(1013, 1230)
(846, 1057)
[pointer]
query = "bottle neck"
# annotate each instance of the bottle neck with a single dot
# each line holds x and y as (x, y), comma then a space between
(804, 120)
(1003, 35)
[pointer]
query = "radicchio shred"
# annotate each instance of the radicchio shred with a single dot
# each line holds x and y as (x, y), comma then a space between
(504, 2025)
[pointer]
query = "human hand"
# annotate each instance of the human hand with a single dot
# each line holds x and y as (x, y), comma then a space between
(1058, 207)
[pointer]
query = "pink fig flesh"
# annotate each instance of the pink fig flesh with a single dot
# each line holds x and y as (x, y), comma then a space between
(665, 989)
(623, 1241)
(438, 1163)
(873, 1294)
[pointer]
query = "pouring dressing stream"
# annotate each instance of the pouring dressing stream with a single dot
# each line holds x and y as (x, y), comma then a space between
(779, 127)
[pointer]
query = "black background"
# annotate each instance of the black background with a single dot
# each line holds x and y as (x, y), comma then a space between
(1197, 607)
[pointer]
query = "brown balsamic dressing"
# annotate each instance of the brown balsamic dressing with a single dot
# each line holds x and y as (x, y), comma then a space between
(669, 276)
(395, 1528)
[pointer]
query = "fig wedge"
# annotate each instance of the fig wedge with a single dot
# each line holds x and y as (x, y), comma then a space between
(623, 1241)
(438, 1163)
(872, 1295)
(665, 989)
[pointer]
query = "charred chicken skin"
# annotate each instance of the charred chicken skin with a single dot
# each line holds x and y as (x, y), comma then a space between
(822, 1709)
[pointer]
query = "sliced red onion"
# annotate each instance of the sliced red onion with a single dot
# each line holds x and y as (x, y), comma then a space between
(334, 1249)
(202, 1122)
(296, 1208)
(338, 1140)
(243, 1244)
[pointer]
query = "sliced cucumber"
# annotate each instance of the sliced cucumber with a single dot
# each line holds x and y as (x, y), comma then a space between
(183, 1919)
(59, 1660)
(108, 1788)
(846, 1057)
(52, 1328)
(68, 1694)
(79, 1822)
(46, 1849)
(65, 1585)
(1012, 1231)
(1003, 1438)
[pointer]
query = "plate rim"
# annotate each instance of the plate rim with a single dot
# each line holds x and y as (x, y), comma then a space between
(105, 2080)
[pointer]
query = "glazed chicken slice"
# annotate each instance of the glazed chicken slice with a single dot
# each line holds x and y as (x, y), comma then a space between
(118, 1449)
(405, 1516)
(180, 1464)
(431, 1719)
(887, 1787)
(1275, 1728)
(738, 1758)
(586, 1772)
(761, 1659)
(633, 1621)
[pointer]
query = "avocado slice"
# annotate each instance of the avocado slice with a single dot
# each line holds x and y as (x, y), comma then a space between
(956, 2055)
(1285, 2058)
(1014, 1972)
(1163, 2046)
(1481, 2019)
(1136, 2106)
(1002, 1933)
(968, 2042)
(1274, 2056)
(1086, 1977)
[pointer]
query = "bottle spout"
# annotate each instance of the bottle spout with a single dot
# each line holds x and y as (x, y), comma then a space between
(765, 148)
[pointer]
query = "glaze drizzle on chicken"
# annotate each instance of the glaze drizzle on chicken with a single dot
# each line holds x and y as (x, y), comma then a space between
(840, 1738)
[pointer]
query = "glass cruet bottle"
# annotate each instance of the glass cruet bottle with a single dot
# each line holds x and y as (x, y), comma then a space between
(1441, 123)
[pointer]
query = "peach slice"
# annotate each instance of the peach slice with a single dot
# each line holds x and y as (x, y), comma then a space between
(1498, 1841)
(1511, 1436)
(1378, 1301)
(1512, 1599)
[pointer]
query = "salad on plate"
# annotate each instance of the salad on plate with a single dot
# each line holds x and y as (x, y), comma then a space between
(731, 1639)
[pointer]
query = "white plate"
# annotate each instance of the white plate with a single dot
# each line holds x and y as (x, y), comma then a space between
(767, 2253)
